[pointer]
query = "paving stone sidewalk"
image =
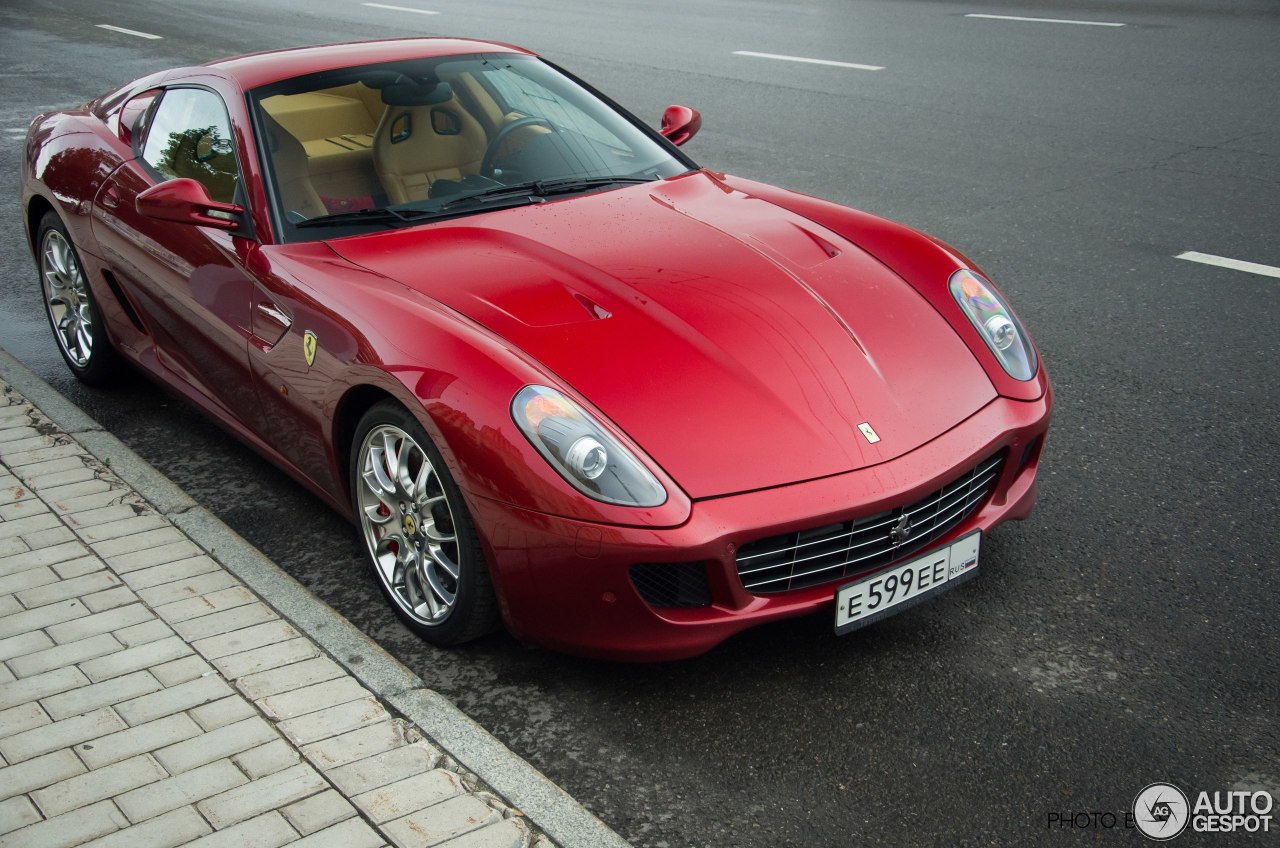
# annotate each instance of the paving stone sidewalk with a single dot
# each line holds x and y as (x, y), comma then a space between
(149, 699)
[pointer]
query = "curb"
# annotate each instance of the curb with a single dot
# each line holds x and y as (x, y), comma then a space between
(552, 809)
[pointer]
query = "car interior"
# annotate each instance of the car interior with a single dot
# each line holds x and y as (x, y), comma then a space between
(404, 140)
(361, 145)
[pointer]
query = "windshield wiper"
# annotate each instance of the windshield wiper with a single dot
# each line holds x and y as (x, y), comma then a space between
(532, 191)
(542, 188)
(363, 216)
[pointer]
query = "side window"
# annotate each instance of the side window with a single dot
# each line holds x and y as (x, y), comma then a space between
(190, 136)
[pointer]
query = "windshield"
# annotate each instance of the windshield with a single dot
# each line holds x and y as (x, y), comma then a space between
(388, 145)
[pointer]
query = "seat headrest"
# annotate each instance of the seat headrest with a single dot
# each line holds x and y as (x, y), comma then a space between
(407, 92)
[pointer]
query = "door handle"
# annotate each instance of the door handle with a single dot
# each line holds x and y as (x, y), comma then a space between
(270, 323)
(275, 313)
(111, 199)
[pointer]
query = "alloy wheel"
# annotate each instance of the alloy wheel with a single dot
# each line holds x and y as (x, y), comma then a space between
(408, 524)
(66, 295)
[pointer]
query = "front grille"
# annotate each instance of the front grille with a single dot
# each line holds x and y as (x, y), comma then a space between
(836, 551)
(672, 584)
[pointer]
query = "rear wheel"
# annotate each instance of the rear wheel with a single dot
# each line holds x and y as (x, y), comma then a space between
(70, 305)
(417, 530)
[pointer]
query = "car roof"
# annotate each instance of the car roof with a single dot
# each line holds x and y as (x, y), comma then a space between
(257, 69)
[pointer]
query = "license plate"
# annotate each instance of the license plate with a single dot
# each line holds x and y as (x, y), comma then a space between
(893, 590)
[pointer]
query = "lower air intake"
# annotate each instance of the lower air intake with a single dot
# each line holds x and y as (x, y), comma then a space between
(672, 584)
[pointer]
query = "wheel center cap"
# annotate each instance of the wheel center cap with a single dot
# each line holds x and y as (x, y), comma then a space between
(410, 525)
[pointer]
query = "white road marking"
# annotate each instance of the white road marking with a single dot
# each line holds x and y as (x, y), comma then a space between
(1043, 20)
(808, 61)
(399, 8)
(1233, 264)
(130, 32)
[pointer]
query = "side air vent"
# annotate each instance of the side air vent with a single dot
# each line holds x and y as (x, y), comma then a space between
(114, 285)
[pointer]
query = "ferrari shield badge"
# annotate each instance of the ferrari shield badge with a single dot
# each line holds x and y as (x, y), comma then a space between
(309, 343)
(865, 429)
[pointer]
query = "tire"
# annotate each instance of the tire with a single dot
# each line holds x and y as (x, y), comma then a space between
(418, 533)
(70, 305)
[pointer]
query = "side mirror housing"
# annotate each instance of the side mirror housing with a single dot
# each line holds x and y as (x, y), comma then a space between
(680, 123)
(185, 201)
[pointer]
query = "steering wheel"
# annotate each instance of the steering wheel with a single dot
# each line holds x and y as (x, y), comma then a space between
(491, 152)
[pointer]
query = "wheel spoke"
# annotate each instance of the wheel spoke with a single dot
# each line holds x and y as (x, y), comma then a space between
(420, 482)
(404, 478)
(437, 588)
(423, 589)
(435, 535)
(427, 505)
(70, 329)
(66, 265)
(376, 475)
(439, 558)
(391, 447)
(434, 607)
(374, 511)
(57, 258)
(56, 283)
(84, 338)
(398, 574)
(389, 559)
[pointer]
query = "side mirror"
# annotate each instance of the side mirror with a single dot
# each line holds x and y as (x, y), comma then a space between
(680, 123)
(185, 201)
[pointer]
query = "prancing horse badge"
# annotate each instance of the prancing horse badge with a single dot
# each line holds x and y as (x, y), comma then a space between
(309, 343)
(865, 428)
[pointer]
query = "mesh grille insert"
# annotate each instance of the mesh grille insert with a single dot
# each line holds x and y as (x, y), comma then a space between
(672, 584)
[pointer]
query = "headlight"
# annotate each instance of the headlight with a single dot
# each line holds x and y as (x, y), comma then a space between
(996, 323)
(582, 451)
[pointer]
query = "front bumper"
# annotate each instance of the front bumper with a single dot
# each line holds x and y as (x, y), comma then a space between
(565, 584)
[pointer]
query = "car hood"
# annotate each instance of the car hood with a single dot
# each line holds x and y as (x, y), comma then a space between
(740, 345)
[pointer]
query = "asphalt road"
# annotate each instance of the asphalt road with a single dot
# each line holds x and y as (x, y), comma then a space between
(1128, 633)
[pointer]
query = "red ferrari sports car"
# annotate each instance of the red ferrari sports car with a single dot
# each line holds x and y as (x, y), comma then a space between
(556, 373)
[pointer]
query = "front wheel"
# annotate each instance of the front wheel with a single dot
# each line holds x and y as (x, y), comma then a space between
(70, 305)
(417, 530)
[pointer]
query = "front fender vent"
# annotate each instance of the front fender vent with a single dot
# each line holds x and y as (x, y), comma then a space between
(123, 300)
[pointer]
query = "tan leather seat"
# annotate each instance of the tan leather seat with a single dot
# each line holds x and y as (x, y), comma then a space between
(293, 177)
(412, 148)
